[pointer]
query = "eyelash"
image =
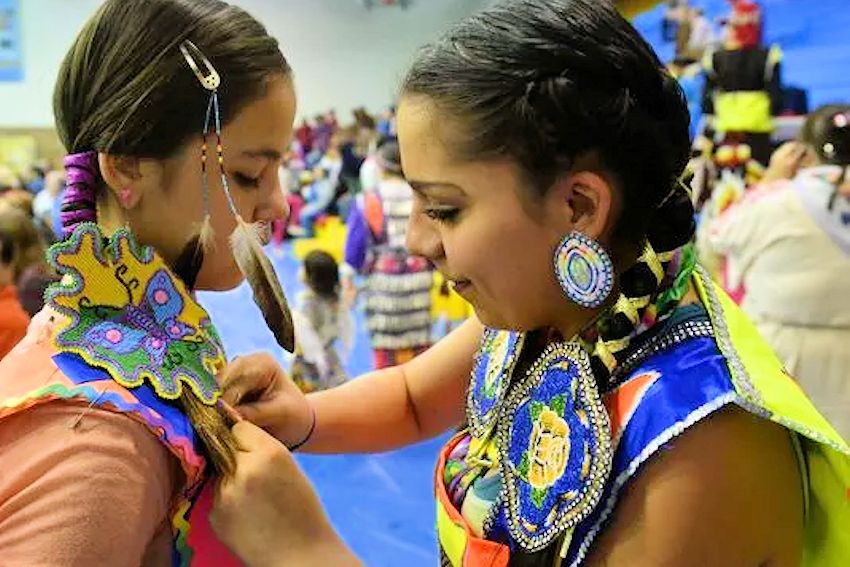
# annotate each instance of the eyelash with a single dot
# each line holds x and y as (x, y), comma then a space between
(245, 181)
(444, 215)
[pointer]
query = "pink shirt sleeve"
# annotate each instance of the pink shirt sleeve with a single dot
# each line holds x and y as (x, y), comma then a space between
(96, 494)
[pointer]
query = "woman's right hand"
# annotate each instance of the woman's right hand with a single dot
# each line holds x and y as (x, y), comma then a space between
(259, 389)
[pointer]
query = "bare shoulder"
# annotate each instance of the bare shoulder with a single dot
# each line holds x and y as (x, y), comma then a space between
(726, 492)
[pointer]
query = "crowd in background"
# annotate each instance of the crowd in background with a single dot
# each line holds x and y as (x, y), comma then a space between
(774, 222)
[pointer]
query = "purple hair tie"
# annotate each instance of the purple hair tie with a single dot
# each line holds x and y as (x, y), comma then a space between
(79, 203)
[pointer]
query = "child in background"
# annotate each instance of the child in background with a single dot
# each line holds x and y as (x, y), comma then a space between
(398, 284)
(30, 273)
(321, 318)
(317, 196)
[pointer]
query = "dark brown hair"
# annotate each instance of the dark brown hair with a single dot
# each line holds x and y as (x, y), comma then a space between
(322, 274)
(546, 82)
(24, 247)
(126, 89)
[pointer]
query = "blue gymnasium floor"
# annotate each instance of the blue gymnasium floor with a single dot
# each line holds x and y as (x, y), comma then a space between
(381, 504)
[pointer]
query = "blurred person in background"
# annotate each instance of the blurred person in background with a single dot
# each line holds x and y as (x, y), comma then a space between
(743, 90)
(46, 204)
(702, 34)
(304, 135)
(32, 274)
(322, 318)
(398, 284)
(789, 245)
(13, 319)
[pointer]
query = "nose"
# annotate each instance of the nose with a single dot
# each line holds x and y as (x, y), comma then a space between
(277, 205)
(423, 237)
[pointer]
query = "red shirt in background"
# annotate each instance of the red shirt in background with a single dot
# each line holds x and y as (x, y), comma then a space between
(13, 320)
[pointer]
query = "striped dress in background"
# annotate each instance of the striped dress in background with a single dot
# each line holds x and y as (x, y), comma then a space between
(398, 285)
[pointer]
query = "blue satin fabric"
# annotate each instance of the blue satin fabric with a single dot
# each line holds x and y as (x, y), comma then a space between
(80, 372)
(693, 382)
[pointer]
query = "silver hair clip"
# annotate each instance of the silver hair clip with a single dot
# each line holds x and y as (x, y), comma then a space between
(211, 80)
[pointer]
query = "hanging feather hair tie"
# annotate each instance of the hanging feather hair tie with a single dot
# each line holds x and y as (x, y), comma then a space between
(245, 241)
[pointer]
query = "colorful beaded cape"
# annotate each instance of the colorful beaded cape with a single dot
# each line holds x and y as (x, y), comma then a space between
(128, 314)
(551, 431)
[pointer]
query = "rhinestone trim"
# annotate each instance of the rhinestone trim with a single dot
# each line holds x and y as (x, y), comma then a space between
(590, 492)
(678, 334)
(752, 399)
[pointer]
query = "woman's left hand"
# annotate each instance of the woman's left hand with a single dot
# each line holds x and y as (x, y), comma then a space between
(269, 514)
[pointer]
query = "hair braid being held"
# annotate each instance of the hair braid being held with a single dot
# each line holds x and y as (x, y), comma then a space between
(106, 94)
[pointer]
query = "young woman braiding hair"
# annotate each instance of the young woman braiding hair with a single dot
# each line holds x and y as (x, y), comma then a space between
(607, 389)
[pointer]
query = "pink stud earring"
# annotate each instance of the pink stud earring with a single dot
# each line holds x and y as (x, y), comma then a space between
(124, 197)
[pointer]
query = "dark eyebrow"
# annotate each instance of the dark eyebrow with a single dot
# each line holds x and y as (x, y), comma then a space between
(265, 153)
(424, 187)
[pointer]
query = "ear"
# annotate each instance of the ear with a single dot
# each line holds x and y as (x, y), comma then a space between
(127, 177)
(583, 201)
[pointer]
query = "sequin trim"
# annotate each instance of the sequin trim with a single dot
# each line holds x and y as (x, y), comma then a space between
(724, 341)
(481, 419)
(679, 333)
(752, 400)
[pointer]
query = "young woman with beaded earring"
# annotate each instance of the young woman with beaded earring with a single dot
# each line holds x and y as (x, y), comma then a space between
(621, 410)
(174, 149)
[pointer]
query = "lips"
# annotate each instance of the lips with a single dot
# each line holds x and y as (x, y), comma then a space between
(460, 285)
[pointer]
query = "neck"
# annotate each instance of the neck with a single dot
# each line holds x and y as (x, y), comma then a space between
(576, 320)
(110, 217)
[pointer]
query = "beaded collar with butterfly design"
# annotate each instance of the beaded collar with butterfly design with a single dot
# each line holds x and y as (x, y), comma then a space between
(128, 314)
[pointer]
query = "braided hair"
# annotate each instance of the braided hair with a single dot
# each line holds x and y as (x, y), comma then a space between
(113, 97)
(545, 82)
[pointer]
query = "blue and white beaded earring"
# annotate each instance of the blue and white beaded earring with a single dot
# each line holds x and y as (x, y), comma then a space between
(584, 270)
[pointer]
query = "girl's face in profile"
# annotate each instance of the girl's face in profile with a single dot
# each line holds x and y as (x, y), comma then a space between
(480, 223)
(171, 207)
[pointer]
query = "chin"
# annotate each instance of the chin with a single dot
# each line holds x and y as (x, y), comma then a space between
(219, 281)
(501, 322)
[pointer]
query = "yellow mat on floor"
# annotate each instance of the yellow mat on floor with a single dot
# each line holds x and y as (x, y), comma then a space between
(330, 238)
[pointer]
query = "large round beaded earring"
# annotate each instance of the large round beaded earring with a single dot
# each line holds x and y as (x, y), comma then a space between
(584, 270)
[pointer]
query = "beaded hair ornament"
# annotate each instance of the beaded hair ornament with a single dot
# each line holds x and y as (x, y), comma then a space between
(245, 241)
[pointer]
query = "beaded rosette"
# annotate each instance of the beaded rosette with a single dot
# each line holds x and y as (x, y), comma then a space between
(555, 442)
(552, 434)
(127, 314)
(494, 364)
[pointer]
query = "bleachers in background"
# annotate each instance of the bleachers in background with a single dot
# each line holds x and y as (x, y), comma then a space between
(813, 34)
